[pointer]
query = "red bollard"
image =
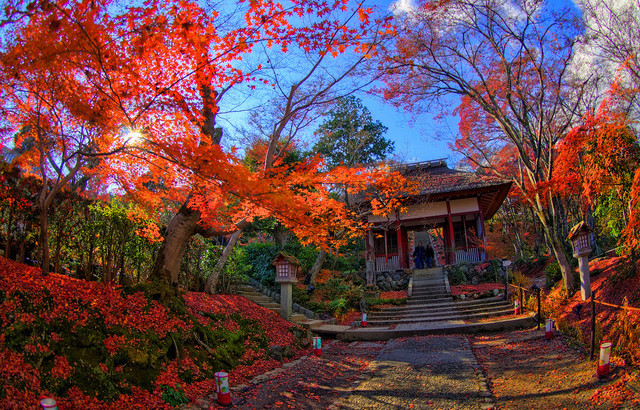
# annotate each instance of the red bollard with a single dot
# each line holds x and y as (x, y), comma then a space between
(548, 333)
(516, 307)
(222, 388)
(317, 346)
(603, 363)
(364, 320)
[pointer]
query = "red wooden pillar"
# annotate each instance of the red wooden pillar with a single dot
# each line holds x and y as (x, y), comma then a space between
(369, 246)
(483, 235)
(451, 245)
(403, 247)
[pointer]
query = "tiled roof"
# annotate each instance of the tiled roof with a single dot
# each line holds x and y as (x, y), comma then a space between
(436, 178)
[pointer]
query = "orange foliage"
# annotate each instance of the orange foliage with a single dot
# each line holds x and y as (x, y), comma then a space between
(103, 70)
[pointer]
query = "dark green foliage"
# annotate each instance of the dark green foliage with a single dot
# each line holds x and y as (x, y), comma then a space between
(174, 396)
(257, 260)
(373, 303)
(552, 274)
(337, 306)
(457, 277)
(350, 136)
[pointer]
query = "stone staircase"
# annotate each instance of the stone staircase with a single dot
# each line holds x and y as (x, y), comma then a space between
(430, 301)
(255, 295)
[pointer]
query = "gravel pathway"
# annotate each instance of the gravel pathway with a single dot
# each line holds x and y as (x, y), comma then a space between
(422, 372)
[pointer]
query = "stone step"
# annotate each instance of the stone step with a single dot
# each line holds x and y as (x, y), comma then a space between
(247, 294)
(440, 318)
(479, 301)
(426, 319)
(430, 292)
(427, 305)
(428, 283)
(485, 309)
(310, 323)
(259, 299)
(440, 309)
(400, 314)
(423, 300)
(479, 305)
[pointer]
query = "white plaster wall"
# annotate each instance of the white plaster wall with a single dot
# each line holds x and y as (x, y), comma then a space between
(464, 205)
(432, 209)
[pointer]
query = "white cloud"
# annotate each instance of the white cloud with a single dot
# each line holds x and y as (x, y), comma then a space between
(402, 7)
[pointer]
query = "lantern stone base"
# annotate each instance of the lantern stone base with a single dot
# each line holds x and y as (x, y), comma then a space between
(286, 299)
(585, 277)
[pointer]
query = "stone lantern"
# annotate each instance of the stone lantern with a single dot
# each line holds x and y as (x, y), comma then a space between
(286, 271)
(580, 237)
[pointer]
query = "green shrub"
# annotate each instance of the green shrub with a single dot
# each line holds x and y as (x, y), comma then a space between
(300, 296)
(379, 301)
(337, 306)
(257, 260)
(174, 397)
(457, 277)
(552, 274)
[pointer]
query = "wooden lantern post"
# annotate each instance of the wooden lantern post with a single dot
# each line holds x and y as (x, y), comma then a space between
(580, 237)
(286, 271)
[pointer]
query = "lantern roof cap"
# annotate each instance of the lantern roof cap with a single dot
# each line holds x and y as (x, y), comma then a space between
(289, 258)
(579, 229)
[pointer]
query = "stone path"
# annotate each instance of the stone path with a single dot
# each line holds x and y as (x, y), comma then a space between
(422, 372)
(415, 372)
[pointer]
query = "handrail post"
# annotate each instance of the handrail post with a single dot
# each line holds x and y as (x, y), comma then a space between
(593, 324)
(521, 299)
(539, 312)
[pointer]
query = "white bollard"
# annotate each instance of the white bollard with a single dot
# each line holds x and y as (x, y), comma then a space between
(317, 345)
(548, 333)
(222, 388)
(48, 404)
(605, 355)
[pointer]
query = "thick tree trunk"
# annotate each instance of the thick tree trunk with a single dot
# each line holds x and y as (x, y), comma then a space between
(7, 245)
(44, 241)
(558, 249)
(280, 235)
(214, 277)
(317, 265)
(181, 227)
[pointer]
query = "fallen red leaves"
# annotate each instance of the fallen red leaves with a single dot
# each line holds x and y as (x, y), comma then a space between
(395, 294)
(51, 310)
(479, 288)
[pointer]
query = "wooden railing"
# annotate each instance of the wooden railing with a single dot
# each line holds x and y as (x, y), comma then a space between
(470, 255)
(382, 263)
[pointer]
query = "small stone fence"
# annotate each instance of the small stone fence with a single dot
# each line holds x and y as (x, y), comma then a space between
(276, 297)
(475, 273)
(390, 280)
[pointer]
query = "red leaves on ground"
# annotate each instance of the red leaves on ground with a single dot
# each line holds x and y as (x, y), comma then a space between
(396, 294)
(479, 288)
(30, 299)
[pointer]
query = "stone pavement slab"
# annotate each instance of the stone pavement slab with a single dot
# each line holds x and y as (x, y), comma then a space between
(422, 372)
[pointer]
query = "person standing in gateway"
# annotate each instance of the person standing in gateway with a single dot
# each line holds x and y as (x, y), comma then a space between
(429, 254)
(418, 256)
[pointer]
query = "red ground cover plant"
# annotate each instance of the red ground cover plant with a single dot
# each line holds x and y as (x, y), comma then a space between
(91, 345)
(614, 281)
(395, 294)
(471, 289)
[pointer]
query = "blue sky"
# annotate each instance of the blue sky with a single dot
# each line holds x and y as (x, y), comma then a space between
(420, 137)
(417, 137)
